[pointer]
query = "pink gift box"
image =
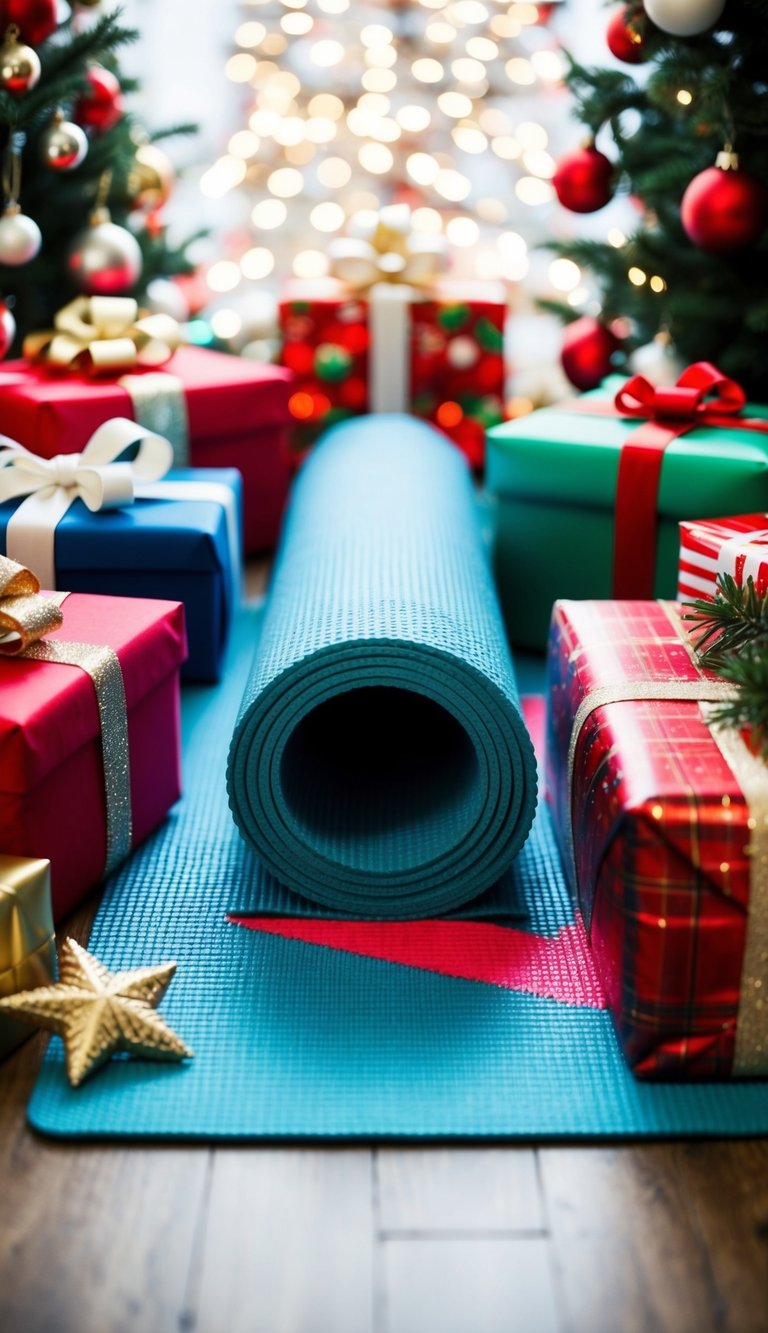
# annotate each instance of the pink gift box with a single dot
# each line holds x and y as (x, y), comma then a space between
(52, 792)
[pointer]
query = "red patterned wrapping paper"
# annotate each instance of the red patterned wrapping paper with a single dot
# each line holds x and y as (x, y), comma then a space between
(455, 357)
(52, 796)
(237, 412)
(660, 846)
(737, 546)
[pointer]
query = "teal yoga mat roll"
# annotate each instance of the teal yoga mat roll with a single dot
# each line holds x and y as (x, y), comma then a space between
(380, 764)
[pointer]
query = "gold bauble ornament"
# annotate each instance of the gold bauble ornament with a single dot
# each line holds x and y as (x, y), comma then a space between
(97, 1012)
(151, 177)
(19, 64)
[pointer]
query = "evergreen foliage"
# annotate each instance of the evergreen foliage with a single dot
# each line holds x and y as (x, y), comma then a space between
(730, 635)
(60, 201)
(714, 307)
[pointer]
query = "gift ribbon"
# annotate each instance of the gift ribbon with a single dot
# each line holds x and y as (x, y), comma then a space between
(103, 334)
(744, 555)
(51, 485)
(159, 404)
(703, 396)
(26, 618)
(751, 1055)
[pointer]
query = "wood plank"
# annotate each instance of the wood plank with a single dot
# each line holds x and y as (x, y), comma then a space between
(288, 1245)
(726, 1185)
(477, 1284)
(626, 1251)
(458, 1189)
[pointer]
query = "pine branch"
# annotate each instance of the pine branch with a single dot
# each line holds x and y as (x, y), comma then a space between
(737, 619)
(749, 673)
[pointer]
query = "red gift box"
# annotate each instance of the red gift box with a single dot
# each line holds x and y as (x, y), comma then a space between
(53, 795)
(237, 415)
(437, 354)
(658, 816)
(709, 547)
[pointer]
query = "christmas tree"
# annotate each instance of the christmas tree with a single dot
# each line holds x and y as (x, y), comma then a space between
(688, 141)
(76, 166)
(443, 105)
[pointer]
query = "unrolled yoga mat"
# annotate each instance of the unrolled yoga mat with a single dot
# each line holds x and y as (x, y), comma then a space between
(464, 1029)
(380, 764)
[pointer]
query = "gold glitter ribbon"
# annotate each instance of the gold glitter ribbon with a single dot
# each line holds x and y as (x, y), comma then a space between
(25, 619)
(27, 952)
(159, 404)
(751, 1054)
(103, 334)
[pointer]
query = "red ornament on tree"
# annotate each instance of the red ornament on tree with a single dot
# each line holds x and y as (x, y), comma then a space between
(624, 38)
(583, 180)
(35, 19)
(586, 353)
(101, 105)
(724, 208)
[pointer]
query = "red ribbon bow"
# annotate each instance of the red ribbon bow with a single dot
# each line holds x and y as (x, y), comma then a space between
(703, 396)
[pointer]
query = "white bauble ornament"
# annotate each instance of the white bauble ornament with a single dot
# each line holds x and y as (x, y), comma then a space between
(104, 259)
(657, 361)
(462, 353)
(63, 146)
(684, 18)
(20, 237)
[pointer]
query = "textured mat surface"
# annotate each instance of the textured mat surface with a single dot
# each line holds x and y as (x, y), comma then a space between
(380, 764)
(374, 1034)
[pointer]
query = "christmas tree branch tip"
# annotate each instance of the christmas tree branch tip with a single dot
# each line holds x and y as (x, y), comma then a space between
(735, 620)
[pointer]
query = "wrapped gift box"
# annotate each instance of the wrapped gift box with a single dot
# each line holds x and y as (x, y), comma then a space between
(553, 478)
(661, 818)
(736, 546)
(60, 754)
(438, 354)
(27, 948)
(184, 548)
(236, 410)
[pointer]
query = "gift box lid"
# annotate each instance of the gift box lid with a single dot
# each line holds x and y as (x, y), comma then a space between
(48, 710)
(710, 533)
(52, 413)
(188, 534)
(534, 457)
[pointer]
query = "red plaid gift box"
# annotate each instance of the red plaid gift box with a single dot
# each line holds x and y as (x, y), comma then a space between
(663, 823)
(435, 353)
(736, 546)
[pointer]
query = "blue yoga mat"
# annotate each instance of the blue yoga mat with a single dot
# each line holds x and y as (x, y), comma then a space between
(380, 764)
(296, 1040)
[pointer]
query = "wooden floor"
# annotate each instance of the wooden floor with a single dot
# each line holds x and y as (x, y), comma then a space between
(102, 1239)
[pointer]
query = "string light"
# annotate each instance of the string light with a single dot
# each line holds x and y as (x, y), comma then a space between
(637, 276)
(257, 263)
(223, 276)
(684, 97)
(564, 275)
(270, 213)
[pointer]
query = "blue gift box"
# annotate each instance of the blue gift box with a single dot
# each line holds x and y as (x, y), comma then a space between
(176, 549)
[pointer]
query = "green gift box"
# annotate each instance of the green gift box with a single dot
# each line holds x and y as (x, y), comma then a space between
(553, 477)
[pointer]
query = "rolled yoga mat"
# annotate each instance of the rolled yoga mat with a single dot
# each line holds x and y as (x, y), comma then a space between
(380, 764)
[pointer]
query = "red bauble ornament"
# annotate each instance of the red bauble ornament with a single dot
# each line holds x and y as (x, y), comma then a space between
(35, 19)
(583, 180)
(586, 352)
(724, 208)
(624, 40)
(101, 105)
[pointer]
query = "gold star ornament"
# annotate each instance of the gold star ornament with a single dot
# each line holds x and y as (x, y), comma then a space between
(97, 1012)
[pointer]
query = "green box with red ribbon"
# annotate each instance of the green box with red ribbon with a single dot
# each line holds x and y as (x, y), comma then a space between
(588, 494)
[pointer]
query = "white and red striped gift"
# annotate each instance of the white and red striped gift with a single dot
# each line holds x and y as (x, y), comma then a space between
(712, 546)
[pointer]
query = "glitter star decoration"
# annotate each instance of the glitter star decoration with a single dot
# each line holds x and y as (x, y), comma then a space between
(97, 1012)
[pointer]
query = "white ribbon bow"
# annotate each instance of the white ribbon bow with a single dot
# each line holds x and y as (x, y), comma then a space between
(52, 485)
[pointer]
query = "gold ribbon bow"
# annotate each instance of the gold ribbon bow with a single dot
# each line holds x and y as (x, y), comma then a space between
(103, 335)
(26, 618)
(385, 248)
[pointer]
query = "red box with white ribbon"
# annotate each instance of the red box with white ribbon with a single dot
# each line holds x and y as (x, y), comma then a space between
(708, 547)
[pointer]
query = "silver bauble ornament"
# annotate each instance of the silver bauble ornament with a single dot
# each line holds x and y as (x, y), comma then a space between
(657, 361)
(104, 259)
(19, 64)
(63, 146)
(7, 329)
(20, 237)
(684, 18)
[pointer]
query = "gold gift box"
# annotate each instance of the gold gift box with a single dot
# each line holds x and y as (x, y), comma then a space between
(27, 949)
